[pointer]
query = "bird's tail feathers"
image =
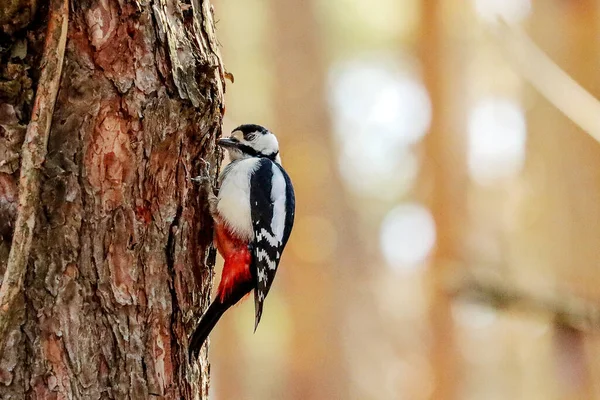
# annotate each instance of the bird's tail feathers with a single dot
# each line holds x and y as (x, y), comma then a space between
(212, 315)
(210, 318)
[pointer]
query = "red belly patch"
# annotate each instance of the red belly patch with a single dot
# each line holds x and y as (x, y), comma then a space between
(234, 251)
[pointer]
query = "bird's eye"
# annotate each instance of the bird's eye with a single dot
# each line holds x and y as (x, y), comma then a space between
(249, 137)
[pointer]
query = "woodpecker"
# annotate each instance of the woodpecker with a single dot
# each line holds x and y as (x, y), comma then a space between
(253, 216)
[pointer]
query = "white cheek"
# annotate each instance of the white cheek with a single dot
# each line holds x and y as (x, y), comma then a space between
(266, 143)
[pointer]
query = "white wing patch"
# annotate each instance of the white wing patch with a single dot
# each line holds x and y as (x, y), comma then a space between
(278, 193)
(263, 256)
(264, 234)
(262, 276)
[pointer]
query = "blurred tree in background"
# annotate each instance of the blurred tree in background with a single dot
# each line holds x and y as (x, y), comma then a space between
(445, 246)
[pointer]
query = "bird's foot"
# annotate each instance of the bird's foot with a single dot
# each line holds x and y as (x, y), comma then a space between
(206, 182)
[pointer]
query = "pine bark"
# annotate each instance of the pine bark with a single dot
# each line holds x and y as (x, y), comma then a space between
(120, 264)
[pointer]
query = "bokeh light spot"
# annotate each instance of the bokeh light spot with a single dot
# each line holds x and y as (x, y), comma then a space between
(407, 236)
(497, 137)
(473, 315)
(380, 100)
(388, 174)
(379, 111)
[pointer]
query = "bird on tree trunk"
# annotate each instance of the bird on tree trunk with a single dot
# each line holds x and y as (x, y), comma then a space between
(253, 217)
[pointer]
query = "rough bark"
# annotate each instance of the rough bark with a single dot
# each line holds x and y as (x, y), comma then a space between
(120, 262)
(33, 154)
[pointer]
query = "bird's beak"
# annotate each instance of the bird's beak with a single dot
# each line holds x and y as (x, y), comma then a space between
(228, 142)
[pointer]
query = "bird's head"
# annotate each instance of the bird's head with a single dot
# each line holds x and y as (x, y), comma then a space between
(251, 141)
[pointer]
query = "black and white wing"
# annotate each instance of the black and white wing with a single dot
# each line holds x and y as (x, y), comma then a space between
(272, 205)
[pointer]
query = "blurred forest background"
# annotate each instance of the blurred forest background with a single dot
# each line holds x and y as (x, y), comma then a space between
(446, 240)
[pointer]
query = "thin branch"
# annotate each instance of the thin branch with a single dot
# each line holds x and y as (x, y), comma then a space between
(548, 78)
(33, 155)
(563, 308)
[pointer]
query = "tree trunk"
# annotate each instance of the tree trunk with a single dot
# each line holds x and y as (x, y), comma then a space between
(444, 147)
(120, 263)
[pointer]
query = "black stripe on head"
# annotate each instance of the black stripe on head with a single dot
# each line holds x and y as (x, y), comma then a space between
(253, 153)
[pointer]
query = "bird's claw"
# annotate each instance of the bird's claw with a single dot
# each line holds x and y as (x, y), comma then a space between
(200, 179)
(205, 173)
(205, 178)
(206, 181)
(213, 202)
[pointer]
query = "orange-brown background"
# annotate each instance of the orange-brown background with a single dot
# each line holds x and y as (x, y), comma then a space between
(423, 161)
